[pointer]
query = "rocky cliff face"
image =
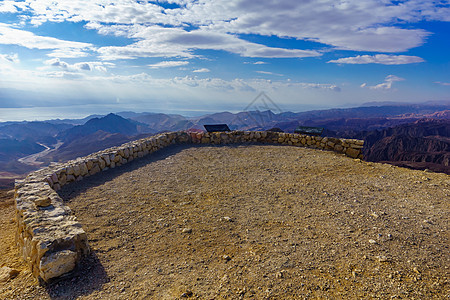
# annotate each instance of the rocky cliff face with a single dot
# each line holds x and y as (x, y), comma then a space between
(422, 144)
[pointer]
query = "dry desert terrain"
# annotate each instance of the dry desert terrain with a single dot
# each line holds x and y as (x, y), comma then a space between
(241, 222)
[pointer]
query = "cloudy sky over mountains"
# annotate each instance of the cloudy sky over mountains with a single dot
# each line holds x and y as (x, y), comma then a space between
(181, 55)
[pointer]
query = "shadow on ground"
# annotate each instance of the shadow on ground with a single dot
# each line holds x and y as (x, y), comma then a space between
(73, 189)
(88, 277)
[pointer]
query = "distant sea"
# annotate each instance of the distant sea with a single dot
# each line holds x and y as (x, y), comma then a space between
(79, 112)
(82, 111)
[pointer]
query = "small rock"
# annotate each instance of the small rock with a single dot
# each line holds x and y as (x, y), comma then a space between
(372, 241)
(416, 270)
(228, 219)
(187, 294)
(43, 202)
(374, 215)
(226, 257)
(382, 258)
(187, 230)
(7, 273)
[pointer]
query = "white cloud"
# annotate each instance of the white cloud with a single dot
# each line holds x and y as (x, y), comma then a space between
(157, 41)
(62, 78)
(68, 53)
(12, 36)
(386, 85)
(117, 11)
(8, 7)
(77, 67)
(361, 25)
(64, 75)
(202, 70)
(269, 73)
(169, 64)
(379, 59)
(10, 58)
(260, 63)
(56, 62)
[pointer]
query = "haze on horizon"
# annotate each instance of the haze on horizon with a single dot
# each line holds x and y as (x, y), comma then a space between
(71, 58)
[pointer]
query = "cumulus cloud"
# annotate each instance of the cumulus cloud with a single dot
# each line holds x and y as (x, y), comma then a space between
(259, 63)
(169, 64)
(202, 70)
(361, 25)
(379, 59)
(8, 7)
(81, 66)
(56, 62)
(386, 85)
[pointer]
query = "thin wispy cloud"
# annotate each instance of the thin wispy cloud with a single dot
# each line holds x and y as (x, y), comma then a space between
(23, 38)
(386, 85)
(442, 83)
(169, 64)
(382, 59)
(202, 70)
(269, 73)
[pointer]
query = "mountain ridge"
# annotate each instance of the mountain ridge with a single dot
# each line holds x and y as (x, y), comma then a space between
(99, 131)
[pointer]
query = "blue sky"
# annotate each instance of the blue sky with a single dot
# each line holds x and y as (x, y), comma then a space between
(71, 58)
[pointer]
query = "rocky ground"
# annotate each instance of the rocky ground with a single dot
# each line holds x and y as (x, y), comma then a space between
(262, 222)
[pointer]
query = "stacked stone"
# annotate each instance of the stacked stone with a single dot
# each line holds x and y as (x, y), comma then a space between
(49, 237)
(349, 147)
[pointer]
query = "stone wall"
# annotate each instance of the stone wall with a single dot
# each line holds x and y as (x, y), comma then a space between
(50, 238)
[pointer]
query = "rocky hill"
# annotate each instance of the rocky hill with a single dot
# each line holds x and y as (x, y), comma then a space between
(424, 144)
(111, 123)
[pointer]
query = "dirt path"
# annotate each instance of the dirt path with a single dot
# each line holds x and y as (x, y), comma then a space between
(261, 222)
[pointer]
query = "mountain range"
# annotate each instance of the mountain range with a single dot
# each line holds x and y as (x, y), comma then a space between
(412, 135)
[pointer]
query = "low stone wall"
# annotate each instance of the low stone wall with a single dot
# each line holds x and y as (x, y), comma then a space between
(350, 147)
(51, 239)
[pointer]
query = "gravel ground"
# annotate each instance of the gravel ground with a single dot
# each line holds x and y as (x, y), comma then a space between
(262, 222)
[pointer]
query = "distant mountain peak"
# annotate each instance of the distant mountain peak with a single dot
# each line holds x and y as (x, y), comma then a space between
(111, 123)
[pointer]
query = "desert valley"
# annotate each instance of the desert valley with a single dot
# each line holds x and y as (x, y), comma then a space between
(415, 136)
